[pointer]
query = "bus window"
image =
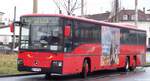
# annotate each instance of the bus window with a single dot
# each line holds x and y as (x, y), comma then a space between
(68, 41)
(41, 33)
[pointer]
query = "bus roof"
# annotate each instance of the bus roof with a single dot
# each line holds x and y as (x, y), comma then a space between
(120, 25)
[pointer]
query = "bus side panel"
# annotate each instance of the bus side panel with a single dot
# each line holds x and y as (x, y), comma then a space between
(95, 57)
(122, 59)
(141, 58)
(72, 64)
(137, 54)
(95, 63)
(132, 51)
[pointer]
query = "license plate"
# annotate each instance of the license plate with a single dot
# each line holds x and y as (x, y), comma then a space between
(36, 69)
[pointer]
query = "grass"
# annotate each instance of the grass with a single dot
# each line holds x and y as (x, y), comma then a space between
(148, 58)
(8, 64)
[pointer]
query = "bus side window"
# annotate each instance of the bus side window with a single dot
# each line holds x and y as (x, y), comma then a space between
(124, 36)
(68, 41)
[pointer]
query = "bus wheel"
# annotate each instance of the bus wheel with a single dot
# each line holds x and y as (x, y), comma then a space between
(85, 69)
(132, 68)
(47, 76)
(127, 65)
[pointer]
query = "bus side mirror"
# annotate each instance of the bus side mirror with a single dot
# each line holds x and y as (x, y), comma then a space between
(11, 25)
(67, 31)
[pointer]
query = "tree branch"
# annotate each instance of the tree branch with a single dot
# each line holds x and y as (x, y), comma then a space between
(57, 4)
(74, 5)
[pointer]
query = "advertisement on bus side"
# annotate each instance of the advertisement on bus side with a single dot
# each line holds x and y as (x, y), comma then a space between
(110, 46)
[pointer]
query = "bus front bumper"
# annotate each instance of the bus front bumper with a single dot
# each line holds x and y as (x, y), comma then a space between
(55, 68)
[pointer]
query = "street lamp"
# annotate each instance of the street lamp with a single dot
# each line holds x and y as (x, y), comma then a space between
(136, 12)
(35, 6)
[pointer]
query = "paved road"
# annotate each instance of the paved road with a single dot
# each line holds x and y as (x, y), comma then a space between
(139, 75)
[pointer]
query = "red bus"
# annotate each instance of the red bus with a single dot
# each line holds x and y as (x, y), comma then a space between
(62, 45)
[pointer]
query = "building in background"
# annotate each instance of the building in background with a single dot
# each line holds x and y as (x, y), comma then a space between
(1, 16)
(6, 36)
(128, 17)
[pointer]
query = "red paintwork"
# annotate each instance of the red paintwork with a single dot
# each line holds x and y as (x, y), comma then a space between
(44, 59)
(131, 50)
(73, 61)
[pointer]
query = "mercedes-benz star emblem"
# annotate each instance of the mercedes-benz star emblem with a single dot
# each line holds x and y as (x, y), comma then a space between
(36, 62)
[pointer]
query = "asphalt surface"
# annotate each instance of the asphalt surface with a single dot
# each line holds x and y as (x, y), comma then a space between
(140, 74)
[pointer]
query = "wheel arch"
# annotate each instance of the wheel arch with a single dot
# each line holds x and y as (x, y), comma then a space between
(89, 62)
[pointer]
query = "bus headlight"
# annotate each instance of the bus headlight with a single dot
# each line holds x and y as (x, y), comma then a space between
(20, 62)
(60, 64)
(57, 63)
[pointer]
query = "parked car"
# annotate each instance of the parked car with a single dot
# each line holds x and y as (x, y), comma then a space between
(16, 49)
(5, 49)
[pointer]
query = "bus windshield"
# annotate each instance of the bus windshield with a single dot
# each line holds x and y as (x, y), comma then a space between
(41, 33)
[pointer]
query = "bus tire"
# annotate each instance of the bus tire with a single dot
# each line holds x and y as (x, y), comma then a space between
(127, 65)
(85, 69)
(48, 76)
(132, 68)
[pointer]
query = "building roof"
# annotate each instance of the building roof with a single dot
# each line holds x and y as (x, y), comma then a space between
(142, 16)
(1, 13)
(5, 30)
(148, 17)
(101, 16)
(130, 13)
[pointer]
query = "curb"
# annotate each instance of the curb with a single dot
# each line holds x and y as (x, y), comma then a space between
(147, 65)
(15, 75)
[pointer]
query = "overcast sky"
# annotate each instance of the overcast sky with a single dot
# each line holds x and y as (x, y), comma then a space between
(47, 6)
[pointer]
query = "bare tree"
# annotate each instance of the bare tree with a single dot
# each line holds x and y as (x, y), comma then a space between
(68, 5)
